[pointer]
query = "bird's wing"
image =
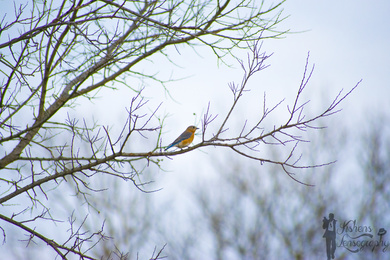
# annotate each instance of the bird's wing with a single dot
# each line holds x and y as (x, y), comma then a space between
(185, 135)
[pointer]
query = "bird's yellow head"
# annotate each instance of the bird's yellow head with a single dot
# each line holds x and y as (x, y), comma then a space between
(192, 129)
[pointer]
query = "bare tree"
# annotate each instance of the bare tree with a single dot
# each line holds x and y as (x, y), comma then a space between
(54, 53)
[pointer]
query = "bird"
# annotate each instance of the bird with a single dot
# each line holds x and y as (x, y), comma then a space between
(185, 139)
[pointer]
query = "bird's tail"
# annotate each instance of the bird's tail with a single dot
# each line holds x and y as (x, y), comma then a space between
(168, 147)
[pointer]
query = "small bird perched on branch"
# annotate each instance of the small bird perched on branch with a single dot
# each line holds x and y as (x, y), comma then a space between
(185, 139)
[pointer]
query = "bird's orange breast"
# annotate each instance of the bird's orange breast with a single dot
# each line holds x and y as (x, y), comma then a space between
(186, 142)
